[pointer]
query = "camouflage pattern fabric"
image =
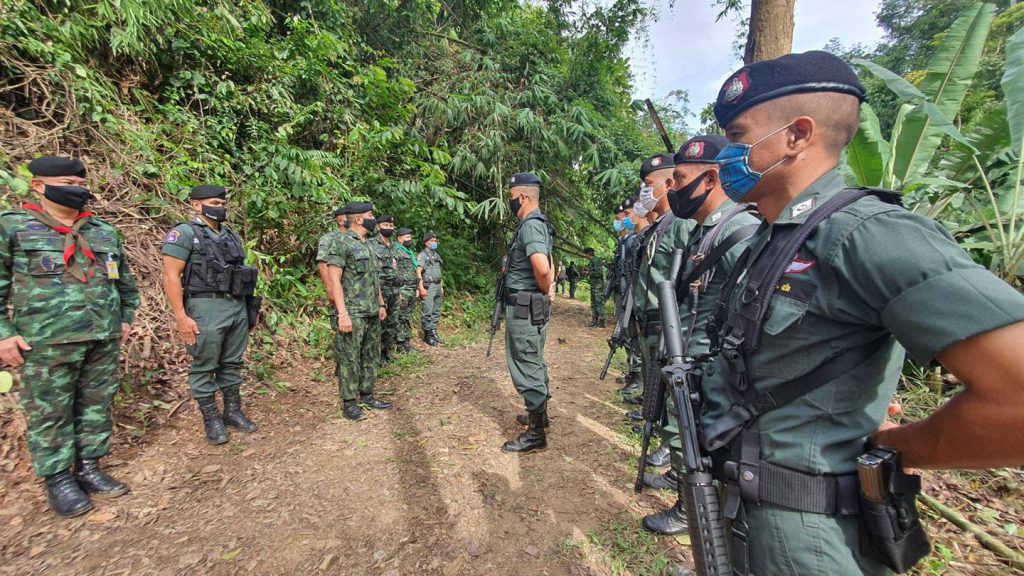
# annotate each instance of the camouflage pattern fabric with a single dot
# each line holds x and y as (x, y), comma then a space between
(50, 306)
(407, 300)
(358, 351)
(389, 255)
(66, 391)
(71, 373)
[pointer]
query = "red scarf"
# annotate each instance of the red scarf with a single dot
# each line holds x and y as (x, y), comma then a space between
(74, 242)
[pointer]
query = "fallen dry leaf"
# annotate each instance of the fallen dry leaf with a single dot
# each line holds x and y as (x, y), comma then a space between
(100, 517)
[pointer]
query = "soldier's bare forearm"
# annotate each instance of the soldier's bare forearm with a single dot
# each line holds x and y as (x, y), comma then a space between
(981, 427)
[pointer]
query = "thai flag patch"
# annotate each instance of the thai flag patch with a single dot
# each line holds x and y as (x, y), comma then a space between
(799, 266)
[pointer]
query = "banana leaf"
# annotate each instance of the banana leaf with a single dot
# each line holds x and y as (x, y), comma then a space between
(946, 82)
(893, 81)
(868, 153)
(990, 136)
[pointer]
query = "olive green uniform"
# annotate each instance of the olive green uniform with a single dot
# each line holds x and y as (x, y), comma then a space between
(872, 269)
(698, 342)
(430, 261)
(70, 375)
(525, 339)
(596, 279)
(217, 355)
(358, 350)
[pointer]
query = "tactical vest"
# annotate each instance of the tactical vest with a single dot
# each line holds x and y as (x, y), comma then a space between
(222, 266)
(433, 258)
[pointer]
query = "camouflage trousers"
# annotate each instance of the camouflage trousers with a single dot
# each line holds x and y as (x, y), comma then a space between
(358, 354)
(407, 309)
(391, 327)
(597, 300)
(66, 391)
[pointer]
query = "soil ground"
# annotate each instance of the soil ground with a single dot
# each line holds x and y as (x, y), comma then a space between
(421, 489)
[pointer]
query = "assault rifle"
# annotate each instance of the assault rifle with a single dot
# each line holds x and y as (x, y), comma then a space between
(661, 127)
(654, 402)
(696, 488)
(499, 303)
(618, 338)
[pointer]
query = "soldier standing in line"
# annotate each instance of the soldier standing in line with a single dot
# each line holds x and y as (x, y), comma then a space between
(207, 284)
(322, 250)
(594, 272)
(431, 289)
(408, 281)
(529, 291)
(355, 279)
(64, 274)
(387, 253)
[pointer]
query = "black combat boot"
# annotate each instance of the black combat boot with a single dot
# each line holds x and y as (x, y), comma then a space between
(666, 481)
(430, 337)
(531, 440)
(352, 411)
(437, 339)
(671, 522)
(95, 481)
(660, 458)
(524, 419)
(216, 433)
(66, 497)
(636, 416)
(600, 323)
(233, 415)
(372, 402)
(404, 347)
(633, 385)
(634, 400)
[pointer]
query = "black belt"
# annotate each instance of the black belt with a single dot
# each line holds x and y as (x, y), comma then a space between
(835, 495)
(510, 295)
(218, 295)
(426, 282)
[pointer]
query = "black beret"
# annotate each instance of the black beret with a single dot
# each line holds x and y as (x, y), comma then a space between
(57, 166)
(403, 231)
(524, 179)
(700, 149)
(628, 203)
(341, 210)
(204, 191)
(358, 207)
(655, 163)
(588, 250)
(429, 236)
(619, 209)
(385, 218)
(757, 83)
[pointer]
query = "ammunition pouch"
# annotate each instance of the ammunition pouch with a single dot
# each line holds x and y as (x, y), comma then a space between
(890, 530)
(532, 306)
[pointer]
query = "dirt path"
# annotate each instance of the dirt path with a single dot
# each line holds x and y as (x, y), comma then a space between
(423, 489)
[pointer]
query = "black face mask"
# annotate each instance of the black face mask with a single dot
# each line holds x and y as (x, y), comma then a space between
(370, 224)
(682, 205)
(215, 213)
(69, 196)
(387, 232)
(515, 205)
(407, 243)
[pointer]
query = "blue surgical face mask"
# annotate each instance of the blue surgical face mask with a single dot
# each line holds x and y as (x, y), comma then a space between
(617, 225)
(628, 224)
(432, 245)
(737, 178)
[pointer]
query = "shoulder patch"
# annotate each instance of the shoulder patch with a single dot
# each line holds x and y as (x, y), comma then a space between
(172, 237)
(799, 266)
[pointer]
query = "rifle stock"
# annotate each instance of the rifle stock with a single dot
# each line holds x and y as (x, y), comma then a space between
(618, 337)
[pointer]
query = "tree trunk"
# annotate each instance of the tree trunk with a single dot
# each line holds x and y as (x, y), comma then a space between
(771, 30)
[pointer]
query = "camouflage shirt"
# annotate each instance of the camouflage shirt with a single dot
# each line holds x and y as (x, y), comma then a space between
(388, 256)
(51, 306)
(360, 273)
(323, 247)
(595, 272)
(406, 272)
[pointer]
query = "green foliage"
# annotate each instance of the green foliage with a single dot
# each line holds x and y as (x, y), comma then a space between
(974, 188)
(424, 107)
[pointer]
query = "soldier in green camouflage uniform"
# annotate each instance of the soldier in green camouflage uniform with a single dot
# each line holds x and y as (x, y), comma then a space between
(323, 248)
(407, 292)
(355, 279)
(64, 274)
(387, 254)
(595, 276)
